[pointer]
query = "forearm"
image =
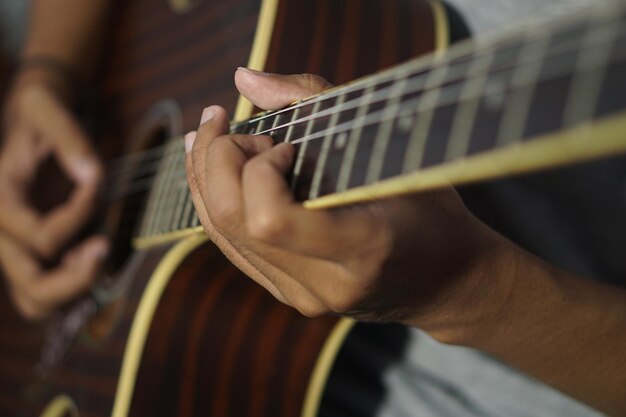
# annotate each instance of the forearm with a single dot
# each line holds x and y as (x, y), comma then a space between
(566, 331)
(67, 31)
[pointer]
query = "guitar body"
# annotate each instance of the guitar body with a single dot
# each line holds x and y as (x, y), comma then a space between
(183, 333)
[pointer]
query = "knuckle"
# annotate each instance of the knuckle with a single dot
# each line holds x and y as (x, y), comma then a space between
(340, 305)
(36, 296)
(29, 95)
(46, 245)
(268, 226)
(98, 170)
(314, 83)
(345, 300)
(310, 308)
(29, 310)
(224, 214)
(255, 167)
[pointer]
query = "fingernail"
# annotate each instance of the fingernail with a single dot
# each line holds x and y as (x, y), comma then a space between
(189, 140)
(207, 114)
(86, 171)
(254, 72)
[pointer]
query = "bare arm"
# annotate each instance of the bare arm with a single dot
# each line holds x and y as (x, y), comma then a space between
(422, 260)
(61, 48)
(70, 31)
(567, 331)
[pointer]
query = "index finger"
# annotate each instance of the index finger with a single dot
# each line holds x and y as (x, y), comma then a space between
(274, 216)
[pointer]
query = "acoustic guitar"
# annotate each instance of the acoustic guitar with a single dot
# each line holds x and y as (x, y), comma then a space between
(177, 332)
(171, 328)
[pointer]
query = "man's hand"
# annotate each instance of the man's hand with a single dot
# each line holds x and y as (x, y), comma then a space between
(38, 125)
(423, 260)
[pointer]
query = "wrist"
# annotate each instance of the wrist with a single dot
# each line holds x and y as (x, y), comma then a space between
(534, 298)
(477, 302)
(50, 73)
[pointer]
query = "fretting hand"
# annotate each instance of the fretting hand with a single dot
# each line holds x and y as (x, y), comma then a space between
(423, 260)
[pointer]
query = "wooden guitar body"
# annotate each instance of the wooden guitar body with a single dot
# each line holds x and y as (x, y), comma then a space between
(182, 332)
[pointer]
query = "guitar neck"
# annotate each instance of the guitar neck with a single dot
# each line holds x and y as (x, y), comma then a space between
(539, 97)
(504, 94)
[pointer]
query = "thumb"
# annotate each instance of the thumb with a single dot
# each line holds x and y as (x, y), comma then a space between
(69, 142)
(274, 91)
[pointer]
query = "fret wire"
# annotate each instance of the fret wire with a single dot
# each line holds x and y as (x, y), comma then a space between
(353, 141)
(297, 170)
(377, 116)
(259, 126)
(321, 161)
(155, 197)
(154, 150)
(159, 190)
(148, 214)
(443, 92)
(171, 186)
(587, 82)
(183, 196)
(440, 103)
(248, 128)
(289, 132)
(275, 122)
(466, 50)
(385, 130)
(177, 186)
(596, 64)
(195, 221)
(425, 109)
(409, 105)
(463, 123)
(383, 94)
(189, 208)
(523, 82)
(190, 212)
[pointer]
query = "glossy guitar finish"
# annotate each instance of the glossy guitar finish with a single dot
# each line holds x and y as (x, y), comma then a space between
(217, 344)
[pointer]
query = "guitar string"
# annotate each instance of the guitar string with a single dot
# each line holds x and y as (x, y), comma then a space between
(422, 70)
(375, 97)
(370, 118)
(382, 95)
(500, 44)
(440, 62)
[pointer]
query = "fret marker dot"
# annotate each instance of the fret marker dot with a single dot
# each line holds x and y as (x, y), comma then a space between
(341, 140)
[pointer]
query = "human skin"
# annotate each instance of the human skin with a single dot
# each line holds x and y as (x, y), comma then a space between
(422, 260)
(38, 123)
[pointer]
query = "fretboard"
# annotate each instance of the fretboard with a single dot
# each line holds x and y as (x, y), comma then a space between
(534, 98)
